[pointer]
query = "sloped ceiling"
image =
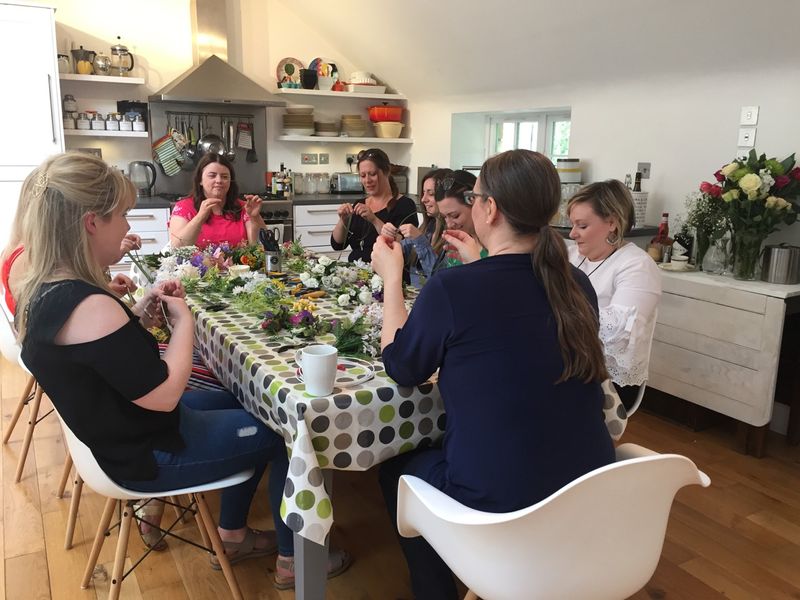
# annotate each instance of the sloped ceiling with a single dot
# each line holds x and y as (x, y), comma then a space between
(435, 48)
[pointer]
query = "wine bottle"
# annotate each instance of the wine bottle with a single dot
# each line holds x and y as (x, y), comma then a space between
(637, 183)
(628, 180)
(279, 186)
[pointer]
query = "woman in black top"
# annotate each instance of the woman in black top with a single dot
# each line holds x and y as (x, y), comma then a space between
(360, 223)
(102, 369)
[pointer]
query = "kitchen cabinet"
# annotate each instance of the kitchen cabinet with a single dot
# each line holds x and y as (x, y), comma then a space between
(717, 342)
(313, 226)
(332, 103)
(31, 102)
(151, 225)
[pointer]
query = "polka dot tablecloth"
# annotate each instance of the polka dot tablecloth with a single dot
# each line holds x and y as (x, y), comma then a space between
(352, 429)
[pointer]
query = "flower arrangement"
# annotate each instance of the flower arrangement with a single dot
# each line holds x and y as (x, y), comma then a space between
(752, 194)
(349, 283)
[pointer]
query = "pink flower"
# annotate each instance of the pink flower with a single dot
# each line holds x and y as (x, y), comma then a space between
(795, 173)
(781, 181)
(711, 189)
(719, 176)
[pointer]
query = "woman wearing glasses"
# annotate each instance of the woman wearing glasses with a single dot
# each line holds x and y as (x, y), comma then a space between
(214, 214)
(520, 379)
(360, 223)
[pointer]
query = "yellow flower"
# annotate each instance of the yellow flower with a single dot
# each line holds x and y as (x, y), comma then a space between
(729, 168)
(771, 201)
(783, 204)
(730, 195)
(750, 183)
(304, 304)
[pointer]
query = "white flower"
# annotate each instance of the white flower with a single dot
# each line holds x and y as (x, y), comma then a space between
(766, 181)
(325, 260)
(352, 291)
(305, 276)
(335, 281)
(187, 270)
(239, 289)
(311, 282)
(750, 183)
(729, 168)
(319, 269)
(376, 283)
(344, 300)
(326, 281)
(365, 297)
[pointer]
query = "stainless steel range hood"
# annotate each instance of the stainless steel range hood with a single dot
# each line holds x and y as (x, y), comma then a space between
(208, 81)
(212, 80)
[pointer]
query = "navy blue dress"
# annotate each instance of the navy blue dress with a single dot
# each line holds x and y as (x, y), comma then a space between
(513, 435)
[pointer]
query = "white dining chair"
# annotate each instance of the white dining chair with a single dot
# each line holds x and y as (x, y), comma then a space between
(639, 397)
(578, 543)
(93, 475)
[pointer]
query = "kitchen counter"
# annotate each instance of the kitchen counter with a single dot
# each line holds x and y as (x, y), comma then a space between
(154, 202)
(637, 232)
(316, 199)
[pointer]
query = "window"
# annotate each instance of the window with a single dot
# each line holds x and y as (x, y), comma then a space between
(546, 132)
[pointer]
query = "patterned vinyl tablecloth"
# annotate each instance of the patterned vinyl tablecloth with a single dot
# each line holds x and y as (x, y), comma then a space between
(352, 429)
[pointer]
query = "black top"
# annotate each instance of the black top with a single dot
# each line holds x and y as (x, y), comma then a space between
(93, 384)
(513, 436)
(361, 235)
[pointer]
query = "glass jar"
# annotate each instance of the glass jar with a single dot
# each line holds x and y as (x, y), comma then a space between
(98, 123)
(138, 124)
(82, 122)
(64, 64)
(323, 183)
(310, 183)
(298, 183)
(112, 122)
(125, 124)
(70, 104)
(69, 122)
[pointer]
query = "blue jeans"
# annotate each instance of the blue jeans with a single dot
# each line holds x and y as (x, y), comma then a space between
(221, 440)
(431, 578)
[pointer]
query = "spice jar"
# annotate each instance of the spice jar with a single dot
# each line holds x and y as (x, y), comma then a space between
(98, 123)
(69, 122)
(112, 122)
(82, 122)
(138, 123)
(70, 104)
(125, 124)
(64, 64)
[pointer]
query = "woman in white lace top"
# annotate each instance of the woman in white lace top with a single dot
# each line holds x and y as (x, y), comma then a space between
(625, 278)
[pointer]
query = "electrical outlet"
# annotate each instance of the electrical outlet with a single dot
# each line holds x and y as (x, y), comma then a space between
(747, 137)
(350, 159)
(308, 158)
(749, 115)
(324, 158)
(644, 169)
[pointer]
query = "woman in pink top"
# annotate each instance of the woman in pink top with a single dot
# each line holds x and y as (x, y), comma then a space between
(214, 214)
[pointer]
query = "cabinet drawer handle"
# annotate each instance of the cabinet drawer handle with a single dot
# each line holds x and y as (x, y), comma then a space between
(149, 217)
(320, 232)
(149, 240)
(322, 211)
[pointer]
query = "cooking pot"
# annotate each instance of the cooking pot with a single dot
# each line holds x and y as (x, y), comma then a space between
(379, 114)
(781, 264)
(210, 142)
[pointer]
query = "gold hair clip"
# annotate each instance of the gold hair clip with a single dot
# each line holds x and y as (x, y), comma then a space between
(40, 185)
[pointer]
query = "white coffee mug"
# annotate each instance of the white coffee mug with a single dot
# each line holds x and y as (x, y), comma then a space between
(319, 368)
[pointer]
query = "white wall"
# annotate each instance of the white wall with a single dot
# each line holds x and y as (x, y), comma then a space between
(686, 127)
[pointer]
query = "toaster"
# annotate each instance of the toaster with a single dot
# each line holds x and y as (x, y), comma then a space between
(346, 183)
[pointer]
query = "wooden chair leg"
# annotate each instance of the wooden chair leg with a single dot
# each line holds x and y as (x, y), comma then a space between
(33, 415)
(99, 538)
(74, 503)
(20, 407)
(179, 514)
(201, 526)
(122, 550)
(216, 544)
(65, 473)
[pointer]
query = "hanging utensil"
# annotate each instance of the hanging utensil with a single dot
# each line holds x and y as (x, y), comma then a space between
(231, 152)
(251, 156)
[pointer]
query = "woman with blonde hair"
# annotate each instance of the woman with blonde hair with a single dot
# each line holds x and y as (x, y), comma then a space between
(625, 278)
(520, 379)
(102, 369)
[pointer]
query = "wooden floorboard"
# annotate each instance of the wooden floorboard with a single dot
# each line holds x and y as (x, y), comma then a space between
(738, 539)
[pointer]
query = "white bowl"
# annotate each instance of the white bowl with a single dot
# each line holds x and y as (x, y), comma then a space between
(388, 129)
(300, 109)
(237, 270)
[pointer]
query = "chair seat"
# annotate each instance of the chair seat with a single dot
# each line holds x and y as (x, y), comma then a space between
(217, 484)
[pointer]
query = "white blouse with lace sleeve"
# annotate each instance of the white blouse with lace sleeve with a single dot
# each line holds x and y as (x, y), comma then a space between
(628, 287)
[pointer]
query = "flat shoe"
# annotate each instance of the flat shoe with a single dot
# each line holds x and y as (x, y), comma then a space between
(239, 551)
(338, 562)
(153, 539)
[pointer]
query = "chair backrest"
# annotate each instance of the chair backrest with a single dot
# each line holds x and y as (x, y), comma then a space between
(8, 337)
(599, 537)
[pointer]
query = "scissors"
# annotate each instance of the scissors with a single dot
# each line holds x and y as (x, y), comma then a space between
(267, 239)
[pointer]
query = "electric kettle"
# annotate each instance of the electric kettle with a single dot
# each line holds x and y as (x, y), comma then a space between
(141, 179)
(121, 59)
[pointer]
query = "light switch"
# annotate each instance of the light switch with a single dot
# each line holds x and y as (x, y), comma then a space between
(307, 158)
(747, 137)
(749, 115)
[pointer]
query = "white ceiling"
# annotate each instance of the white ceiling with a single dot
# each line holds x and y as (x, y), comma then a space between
(434, 48)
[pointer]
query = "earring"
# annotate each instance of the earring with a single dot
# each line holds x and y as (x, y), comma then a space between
(613, 241)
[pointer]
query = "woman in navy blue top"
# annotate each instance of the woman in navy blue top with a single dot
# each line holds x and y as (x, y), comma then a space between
(515, 340)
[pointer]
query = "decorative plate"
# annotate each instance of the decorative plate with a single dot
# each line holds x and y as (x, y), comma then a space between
(349, 371)
(289, 70)
(674, 269)
(322, 67)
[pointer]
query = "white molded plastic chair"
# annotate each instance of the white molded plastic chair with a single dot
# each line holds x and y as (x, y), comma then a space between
(599, 537)
(639, 397)
(94, 476)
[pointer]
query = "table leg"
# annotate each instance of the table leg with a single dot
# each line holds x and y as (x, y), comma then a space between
(311, 560)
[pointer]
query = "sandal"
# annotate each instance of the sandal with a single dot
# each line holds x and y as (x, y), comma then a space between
(247, 548)
(338, 562)
(150, 513)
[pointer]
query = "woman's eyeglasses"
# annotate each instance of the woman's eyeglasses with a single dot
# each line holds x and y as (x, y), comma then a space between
(469, 197)
(370, 154)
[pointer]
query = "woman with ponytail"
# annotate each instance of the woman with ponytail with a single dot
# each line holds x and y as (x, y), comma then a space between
(520, 377)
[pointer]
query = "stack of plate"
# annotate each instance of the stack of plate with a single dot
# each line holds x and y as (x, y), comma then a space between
(326, 128)
(298, 124)
(354, 125)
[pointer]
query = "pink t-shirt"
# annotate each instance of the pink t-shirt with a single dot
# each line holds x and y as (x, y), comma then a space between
(218, 228)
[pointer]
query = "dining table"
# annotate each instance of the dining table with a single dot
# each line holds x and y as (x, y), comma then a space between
(367, 420)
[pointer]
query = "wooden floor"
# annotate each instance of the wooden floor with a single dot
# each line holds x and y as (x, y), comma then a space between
(740, 538)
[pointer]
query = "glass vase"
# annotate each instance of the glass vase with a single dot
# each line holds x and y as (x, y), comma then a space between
(746, 255)
(717, 259)
(702, 243)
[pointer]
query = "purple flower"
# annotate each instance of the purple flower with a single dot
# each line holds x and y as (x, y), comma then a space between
(304, 317)
(378, 296)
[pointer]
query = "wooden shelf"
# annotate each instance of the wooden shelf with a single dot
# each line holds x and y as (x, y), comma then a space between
(103, 133)
(101, 78)
(302, 92)
(343, 140)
